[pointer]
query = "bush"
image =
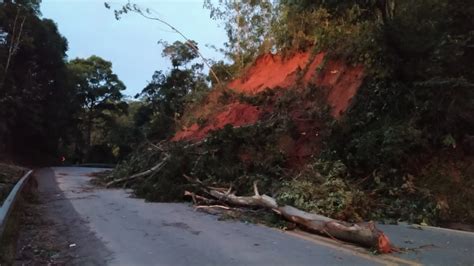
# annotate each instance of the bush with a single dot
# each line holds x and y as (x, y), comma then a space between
(322, 188)
(168, 184)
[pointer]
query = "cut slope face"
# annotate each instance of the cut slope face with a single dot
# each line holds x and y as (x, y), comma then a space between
(271, 72)
(236, 114)
(342, 82)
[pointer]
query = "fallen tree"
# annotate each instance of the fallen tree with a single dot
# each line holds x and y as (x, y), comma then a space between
(154, 169)
(165, 181)
(365, 234)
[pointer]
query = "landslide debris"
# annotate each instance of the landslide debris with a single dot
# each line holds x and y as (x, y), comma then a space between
(277, 130)
(337, 81)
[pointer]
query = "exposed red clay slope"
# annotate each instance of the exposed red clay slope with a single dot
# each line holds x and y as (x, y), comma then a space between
(342, 82)
(236, 114)
(270, 71)
(274, 71)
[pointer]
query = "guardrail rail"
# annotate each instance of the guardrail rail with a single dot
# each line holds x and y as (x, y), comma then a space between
(10, 201)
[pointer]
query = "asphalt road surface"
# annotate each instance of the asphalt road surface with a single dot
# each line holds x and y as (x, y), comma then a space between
(109, 227)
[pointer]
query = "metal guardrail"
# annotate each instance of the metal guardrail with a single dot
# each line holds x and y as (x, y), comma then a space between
(9, 202)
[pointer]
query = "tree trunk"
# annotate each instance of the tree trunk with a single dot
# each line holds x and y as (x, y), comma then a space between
(14, 45)
(365, 234)
(88, 136)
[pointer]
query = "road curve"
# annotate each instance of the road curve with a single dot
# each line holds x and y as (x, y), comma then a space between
(107, 226)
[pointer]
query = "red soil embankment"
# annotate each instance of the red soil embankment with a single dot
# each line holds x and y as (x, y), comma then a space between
(236, 114)
(342, 82)
(272, 71)
(275, 71)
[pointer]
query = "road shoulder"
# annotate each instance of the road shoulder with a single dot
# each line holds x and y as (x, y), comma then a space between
(53, 233)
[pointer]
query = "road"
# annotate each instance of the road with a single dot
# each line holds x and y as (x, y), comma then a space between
(108, 226)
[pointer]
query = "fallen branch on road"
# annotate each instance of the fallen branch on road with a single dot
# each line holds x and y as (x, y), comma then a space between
(154, 169)
(198, 198)
(365, 234)
(212, 206)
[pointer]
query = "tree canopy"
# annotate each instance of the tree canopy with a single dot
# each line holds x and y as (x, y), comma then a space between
(168, 94)
(33, 79)
(46, 102)
(99, 93)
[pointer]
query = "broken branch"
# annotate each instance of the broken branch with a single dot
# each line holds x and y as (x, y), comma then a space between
(154, 169)
(365, 234)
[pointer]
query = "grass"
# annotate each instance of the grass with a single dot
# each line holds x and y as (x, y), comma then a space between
(9, 175)
(9, 238)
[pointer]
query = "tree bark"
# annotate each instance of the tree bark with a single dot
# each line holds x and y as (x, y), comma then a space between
(365, 234)
(14, 45)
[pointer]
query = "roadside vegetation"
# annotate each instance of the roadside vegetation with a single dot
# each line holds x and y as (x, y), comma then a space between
(51, 106)
(9, 175)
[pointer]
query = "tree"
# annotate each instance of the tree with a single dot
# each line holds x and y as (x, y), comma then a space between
(147, 13)
(33, 80)
(98, 90)
(247, 24)
(168, 93)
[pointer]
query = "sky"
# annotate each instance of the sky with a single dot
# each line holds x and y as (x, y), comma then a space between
(131, 43)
